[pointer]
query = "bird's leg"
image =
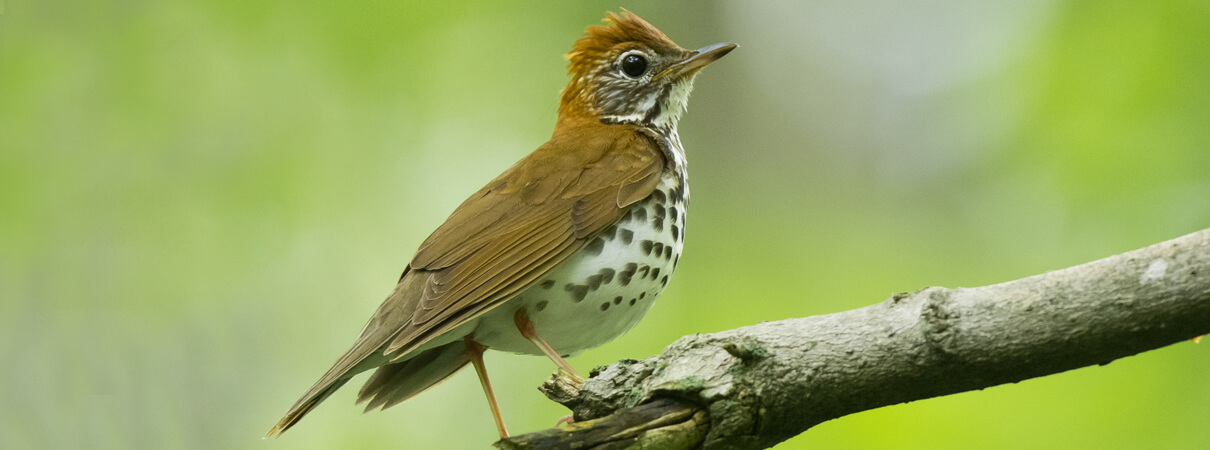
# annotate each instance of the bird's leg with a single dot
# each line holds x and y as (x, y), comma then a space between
(474, 352)
(527, 330)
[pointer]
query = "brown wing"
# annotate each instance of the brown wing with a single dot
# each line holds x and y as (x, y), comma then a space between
(522, 224)
(499, 241)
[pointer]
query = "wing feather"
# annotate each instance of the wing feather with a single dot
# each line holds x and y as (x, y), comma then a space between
(501, 240)
(523, 224)
(413, 337)
(461, 279)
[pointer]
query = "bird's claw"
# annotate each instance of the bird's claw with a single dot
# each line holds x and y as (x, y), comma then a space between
(571, 378)
(566, 420)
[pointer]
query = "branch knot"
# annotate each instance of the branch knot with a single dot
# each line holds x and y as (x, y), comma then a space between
(938, 320)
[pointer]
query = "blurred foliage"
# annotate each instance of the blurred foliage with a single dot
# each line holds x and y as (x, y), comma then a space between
(202, 202)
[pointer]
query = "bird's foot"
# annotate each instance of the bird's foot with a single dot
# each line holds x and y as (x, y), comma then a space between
(570, 378)
(566, 420)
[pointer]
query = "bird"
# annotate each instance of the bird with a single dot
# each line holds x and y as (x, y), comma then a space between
(562, 252)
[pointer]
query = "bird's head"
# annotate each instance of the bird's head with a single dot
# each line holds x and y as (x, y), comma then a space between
(627, 71)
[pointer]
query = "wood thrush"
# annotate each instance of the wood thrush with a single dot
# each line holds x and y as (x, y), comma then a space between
(564, 251)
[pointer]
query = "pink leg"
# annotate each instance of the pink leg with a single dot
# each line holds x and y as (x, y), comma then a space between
(527, 330)
(474, 351)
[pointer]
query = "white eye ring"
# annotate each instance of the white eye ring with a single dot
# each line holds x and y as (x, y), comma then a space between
(633, 64)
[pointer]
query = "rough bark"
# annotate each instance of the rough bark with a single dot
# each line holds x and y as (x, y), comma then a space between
(755, 386)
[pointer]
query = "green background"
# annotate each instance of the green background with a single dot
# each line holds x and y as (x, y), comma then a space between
(202, 202)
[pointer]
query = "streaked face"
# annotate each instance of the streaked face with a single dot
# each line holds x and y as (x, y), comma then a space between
(626, 86)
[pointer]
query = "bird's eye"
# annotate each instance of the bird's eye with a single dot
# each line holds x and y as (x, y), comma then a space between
(634, 65)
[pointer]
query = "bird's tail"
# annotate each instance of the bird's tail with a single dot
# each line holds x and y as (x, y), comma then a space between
(391, 384)
(396, 382)
(303, 406)
(358, 359)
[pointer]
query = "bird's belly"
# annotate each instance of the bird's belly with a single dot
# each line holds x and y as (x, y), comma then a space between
(603, 290)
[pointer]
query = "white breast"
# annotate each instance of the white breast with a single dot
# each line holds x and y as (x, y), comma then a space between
(602, 291)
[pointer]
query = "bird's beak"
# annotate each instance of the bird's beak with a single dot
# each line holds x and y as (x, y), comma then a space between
(697, 59)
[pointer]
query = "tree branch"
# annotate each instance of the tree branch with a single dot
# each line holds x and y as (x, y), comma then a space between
(755, 386)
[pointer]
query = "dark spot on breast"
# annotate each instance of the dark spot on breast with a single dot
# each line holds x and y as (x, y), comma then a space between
(610, 232)
(578, 292)
(626, 217)
(676, 232)
(642, 294)
(657, 219)
(658, 196)
(547, 284)
(679, 191)
(657, 249)
(633, 300)
(655, 273)
(667, 252)
(640, 214)
(617, 300)
(664, 281)
(594, 282)
(627, 272)
(604, 306)
(643, 271)
(541, 305)
(646, 245)
(659, 213)
(594, 248)
(606, 275)
(627, 236)
(672, 213)
(676, 260)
